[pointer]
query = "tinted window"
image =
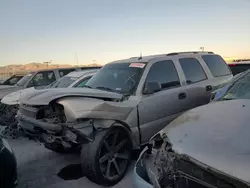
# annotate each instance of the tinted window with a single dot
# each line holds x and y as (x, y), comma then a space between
(164, 72)
(238, 68)
(12, 80)
(217, 65)
(65, 72)
(42, 79)
(192, 70)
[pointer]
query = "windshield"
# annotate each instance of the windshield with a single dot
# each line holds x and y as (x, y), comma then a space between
(240, 89)
(64, 82)
(24, 79)
(119, 77)
(12, 80)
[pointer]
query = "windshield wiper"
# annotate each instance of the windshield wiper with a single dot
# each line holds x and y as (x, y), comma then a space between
(87, 86)
(105, 88)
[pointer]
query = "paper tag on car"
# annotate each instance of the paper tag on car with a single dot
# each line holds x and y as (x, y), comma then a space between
(137, 65)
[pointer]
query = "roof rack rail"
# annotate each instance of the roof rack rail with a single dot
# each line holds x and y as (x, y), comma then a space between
(192, 52)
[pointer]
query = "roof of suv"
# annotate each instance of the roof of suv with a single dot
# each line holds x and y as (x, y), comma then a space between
(146, 59)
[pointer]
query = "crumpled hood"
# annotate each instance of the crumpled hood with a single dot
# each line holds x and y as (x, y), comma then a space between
(8, 89)
(13, 98)
(217, 135)
(45, 96)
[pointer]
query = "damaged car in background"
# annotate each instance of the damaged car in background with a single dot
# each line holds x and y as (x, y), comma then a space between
(10, 103)
(120, 108)
(206, 147)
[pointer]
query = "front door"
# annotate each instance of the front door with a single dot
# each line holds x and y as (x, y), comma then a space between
(158, 109)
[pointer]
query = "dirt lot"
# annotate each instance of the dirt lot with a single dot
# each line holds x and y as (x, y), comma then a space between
(41, 168)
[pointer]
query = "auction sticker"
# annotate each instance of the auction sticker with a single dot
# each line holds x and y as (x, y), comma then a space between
(137, 65)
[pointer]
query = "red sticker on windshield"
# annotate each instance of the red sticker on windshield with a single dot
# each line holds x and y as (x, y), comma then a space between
(137, 65)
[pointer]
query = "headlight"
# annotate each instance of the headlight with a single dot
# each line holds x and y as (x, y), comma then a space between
(6, 145)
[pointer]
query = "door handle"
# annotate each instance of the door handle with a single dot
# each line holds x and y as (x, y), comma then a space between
(209, 88)
(182, 95)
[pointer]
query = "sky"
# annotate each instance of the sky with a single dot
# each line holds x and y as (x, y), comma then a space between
(100, 31)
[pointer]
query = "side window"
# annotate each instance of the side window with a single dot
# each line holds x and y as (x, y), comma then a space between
(165, 73)
(42, 79)
(193, 70)
(65, 72)
(83, 82)
(217, 65)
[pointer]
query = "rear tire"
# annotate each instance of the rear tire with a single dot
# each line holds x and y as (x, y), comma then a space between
(105, 160)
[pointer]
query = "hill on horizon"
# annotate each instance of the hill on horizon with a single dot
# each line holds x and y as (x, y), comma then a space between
(20, 68)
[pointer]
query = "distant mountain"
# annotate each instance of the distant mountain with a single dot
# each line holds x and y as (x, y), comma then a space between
(10, 69)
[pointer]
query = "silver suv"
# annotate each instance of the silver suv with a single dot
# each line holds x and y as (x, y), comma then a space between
(121, 107)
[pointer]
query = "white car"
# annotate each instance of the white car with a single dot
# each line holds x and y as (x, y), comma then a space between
(10, 103)
(73, 79)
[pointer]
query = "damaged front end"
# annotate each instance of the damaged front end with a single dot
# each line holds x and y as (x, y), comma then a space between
(73, 119)
(159, 166)
(48, 124)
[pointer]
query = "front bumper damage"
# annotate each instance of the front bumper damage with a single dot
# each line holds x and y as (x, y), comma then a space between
(164, 168)
(67, 134)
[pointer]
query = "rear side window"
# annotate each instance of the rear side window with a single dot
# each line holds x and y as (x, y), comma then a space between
(193, 70)
(65, 72)
(217, 65)
(165, 73)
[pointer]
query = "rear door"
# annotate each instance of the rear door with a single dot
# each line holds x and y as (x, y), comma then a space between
(158, 109)
(198, 86)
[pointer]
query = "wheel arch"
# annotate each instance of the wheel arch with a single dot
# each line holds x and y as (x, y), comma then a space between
(100, 124)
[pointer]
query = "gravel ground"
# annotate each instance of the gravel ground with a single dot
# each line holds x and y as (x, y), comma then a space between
(39, 168)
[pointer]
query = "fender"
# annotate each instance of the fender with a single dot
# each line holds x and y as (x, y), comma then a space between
(102, 124)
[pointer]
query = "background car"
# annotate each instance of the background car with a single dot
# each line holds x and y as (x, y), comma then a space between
(121, 107)
(40, 78)
(239, 65)
(9, 104)
(12, 80)
(204, 147)
(8, 165)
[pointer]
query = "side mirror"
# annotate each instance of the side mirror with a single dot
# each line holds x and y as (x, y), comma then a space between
(151, 87)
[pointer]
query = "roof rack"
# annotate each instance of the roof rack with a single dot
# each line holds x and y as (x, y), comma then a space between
(191, 52)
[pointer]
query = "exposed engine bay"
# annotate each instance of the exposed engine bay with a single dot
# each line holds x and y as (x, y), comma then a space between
(161, 167)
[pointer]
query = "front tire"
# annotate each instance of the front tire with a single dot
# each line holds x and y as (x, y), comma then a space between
(105, 160)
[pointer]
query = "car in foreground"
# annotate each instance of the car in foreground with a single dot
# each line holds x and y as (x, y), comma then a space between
(204, 147)
(121, 107)
(218, 93)
(8, 165)
(12, 80)
(10, 103)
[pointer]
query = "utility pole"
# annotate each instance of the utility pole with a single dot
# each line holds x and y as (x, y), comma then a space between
(47, 63)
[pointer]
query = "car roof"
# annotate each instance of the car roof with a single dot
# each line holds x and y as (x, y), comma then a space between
(145, 59)
(81, 73)
(83, 68)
